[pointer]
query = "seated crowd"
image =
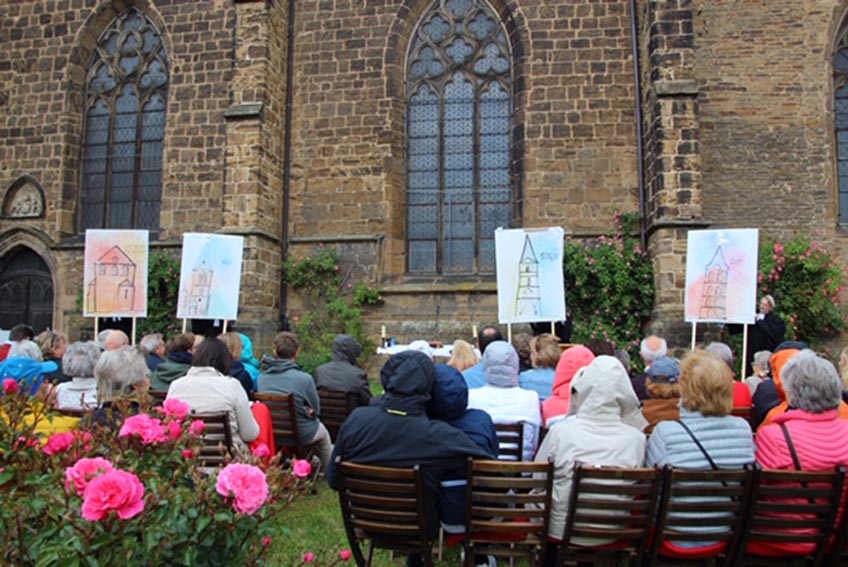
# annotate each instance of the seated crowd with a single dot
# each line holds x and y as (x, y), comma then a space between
(577, 405)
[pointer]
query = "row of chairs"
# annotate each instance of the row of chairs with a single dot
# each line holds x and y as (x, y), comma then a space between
(616, 515)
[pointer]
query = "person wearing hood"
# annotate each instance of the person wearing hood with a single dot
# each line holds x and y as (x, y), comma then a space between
(25, 365)
(571, 360)
(603, 428)
(341, 374)
(503, 399)
(251, 365)
(177, 362)
(399, 433)
(282, 375)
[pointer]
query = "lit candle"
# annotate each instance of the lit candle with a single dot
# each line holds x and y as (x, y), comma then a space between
(382, 331)
(474, 331)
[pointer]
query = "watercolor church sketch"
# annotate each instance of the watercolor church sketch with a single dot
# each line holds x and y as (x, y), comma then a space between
(210, 276)
(531, 286)
(721, 275)
(115, 273)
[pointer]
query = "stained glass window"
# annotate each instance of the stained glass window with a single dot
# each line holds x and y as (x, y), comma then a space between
(126, 94)
(459, 154)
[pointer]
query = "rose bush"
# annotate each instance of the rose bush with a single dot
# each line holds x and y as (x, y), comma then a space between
(135, 495)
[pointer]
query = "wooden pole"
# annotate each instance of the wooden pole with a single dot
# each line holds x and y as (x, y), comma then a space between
(694, 330)
(509, 333)
(132, 337)
(224, 328)
(96, 327)
(185, 322)
(553, 327)
(744, 351)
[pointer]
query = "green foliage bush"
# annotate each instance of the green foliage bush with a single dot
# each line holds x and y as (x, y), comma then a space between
(330, 306)
(609, 287)
(163, 283)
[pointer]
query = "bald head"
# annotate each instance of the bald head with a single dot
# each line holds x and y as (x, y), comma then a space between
(652, 348)
(115, 340)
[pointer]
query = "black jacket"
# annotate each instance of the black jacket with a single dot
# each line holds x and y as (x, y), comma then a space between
(342, 374)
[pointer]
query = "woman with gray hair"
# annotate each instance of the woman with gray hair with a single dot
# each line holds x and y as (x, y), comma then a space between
(761, 370)
(123, 379)
(78, 362)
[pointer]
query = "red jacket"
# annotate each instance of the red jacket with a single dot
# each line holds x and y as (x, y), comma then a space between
(570, 361)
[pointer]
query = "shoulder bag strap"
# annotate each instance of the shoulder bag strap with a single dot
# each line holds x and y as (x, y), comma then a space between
(698, 443)
(791, 446)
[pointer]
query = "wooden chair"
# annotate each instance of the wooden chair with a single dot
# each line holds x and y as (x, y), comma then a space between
(335, 407)
(714, 501)
(286, 432)
(508, 507)
(839, 550)
(510, 441)
(217, 439)
(610, 514)
(794, 508)
(384, 505)
(158, 396)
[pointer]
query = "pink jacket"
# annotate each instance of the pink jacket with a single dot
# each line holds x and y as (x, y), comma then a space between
(569, 363)
(819, 441)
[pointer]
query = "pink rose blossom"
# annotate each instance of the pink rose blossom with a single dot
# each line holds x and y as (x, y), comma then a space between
(261, 451)
(344, 555)
(79, 475)
(58, 443)
(187, 453)
(308, 557)
(115, 490)
(10, 386)
(175, 429)
(247, 485)
(266, 541)
(301, 468)
(176, 408)
(148, 428)
(196, 428)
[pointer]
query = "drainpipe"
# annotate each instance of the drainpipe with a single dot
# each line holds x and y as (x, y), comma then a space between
(640, 148)
(287, 164)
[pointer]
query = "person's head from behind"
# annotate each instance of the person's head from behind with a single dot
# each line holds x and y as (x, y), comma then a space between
(623, 357)
(234, 344)
(722, 351)
(449, 398)
(462, 355)
(153, 344)
(26, 349)
(488, 335)
(663, 379)
(706, 384)
(545, 351)
(121, 373)
(652, 348)
(80, 359)
(286, 345)
(180, 343)
(811, 383)
(115, 340)
(213, 353)
(601, 347)
(52, 343)
(760, 364)
(500, 365)
(521, 343)
(21, 332)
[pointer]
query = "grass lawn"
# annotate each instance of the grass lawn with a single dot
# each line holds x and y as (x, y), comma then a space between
(314, 523)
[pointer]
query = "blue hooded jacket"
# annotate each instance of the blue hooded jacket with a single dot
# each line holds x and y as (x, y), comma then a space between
(26, 371)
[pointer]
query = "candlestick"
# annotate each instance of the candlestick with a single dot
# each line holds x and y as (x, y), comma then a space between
(474, 331)
(383, 331)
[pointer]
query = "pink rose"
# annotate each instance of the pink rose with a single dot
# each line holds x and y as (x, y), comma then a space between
(149, 429)
(58, 443)
(176, 408)
(266, 541)
(175, 429)
(247, 485)
(308, 557)
(10, 386)
(187, 454)
(344, 555)
(79, 475)
(261, 451)
(115, 490)
(196, 428)
(301, 468)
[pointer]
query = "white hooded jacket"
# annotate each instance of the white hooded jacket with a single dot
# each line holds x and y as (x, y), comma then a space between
(603, 428)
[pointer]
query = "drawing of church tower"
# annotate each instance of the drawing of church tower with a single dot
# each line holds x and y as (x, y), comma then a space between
(528, 298)
(200, 287)
(112, 290)
(714, 293)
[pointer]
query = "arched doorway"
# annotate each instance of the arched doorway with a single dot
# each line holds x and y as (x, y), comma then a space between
(26, 290)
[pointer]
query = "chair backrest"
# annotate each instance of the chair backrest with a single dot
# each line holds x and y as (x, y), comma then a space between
(610, 508)
(384, 505)
(508, 507)
(510, 441)
(217, 439)
(792, 508)
(284, 421)
(704, 508)
(335, 407)
(158, 395)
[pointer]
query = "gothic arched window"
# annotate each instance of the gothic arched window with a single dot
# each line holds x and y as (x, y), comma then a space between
(126, 94)
(458, 136)
(840, 92)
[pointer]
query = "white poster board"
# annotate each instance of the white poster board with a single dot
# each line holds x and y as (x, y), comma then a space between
(210, 276)
(115, 273)
(531, 286)
(721, 275)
